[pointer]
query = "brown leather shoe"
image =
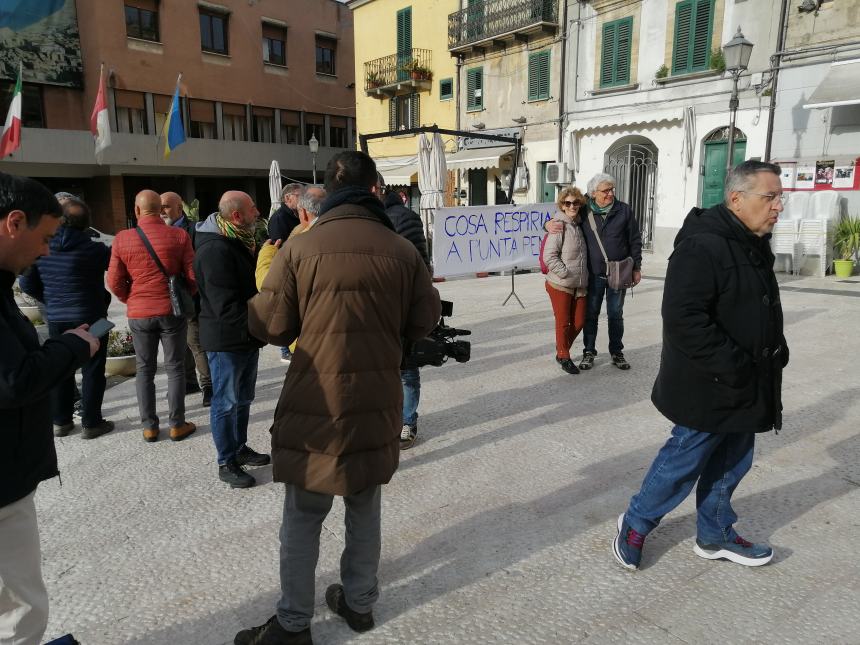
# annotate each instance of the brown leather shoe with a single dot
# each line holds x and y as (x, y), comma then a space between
(150, 434)
(178, 433)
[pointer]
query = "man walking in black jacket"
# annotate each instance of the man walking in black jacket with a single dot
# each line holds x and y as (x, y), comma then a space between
(29, 217)
(407, 223)
(720, 375)
(226, 258)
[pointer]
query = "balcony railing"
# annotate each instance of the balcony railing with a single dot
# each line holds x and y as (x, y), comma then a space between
(494, 19)
(409, 69)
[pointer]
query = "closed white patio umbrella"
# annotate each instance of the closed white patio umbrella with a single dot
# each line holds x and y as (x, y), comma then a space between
(275, 186)
(432, 176)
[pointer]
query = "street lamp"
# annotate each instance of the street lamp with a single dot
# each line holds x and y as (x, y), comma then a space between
(314, 146)
(737, 54)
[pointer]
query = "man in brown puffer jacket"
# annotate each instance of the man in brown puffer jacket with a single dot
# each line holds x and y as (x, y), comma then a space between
(354, 288)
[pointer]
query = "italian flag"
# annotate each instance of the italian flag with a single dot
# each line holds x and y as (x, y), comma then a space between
(11, 139)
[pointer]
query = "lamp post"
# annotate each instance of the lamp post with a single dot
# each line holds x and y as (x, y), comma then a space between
(737, 54)
(314, 146)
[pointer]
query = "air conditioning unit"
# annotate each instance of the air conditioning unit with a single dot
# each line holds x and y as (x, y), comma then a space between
(556, 173)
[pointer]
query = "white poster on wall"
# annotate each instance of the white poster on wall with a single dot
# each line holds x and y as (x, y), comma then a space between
(805, 178)
(789, 173)
(843, 177)
(476, 239)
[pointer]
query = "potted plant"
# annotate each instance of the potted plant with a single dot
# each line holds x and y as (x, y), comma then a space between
(718, 61)
(417, 71)
(29, 306)
(374, 79)
(662, 72)
(846, 242)
(120, 354)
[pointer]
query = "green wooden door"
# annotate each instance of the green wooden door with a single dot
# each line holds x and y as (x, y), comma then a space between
(545, 191)
(715, 169)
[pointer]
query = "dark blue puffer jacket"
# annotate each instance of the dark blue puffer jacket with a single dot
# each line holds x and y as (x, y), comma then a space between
(71, 280)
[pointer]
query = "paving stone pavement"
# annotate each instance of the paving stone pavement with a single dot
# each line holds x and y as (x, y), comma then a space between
(496, 528)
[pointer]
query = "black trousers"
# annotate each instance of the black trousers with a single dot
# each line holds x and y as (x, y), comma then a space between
(92, 386)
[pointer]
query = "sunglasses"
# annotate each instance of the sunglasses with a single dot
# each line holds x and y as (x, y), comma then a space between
(570, 204)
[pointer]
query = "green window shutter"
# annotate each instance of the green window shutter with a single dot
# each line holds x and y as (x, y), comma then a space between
(607, 54)
(700, 56)
(392, 114)
(615, 53)
(414, 111)
(624, 44)
(683, 21)
(446, 89)
(694, 21)
(539, 76)
(404, 30)
(475, 89)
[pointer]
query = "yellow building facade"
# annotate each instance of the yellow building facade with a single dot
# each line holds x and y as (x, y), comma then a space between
(405, 77)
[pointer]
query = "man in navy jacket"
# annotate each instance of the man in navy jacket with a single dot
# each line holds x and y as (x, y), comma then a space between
(29, 217)
(70, 281)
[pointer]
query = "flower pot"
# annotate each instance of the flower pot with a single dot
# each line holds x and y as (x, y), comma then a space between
(121, 366)
(32, 312)
(843, 268)
(416, 76)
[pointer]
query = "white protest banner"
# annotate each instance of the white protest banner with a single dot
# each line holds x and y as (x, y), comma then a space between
(475, 239)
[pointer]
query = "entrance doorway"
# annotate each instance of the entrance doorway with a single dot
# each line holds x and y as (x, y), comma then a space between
(633, 163)
(477, 186)
(716, 151)
(545, 191)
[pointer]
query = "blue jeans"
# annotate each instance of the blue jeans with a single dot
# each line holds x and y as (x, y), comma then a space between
(411, 379)
(717, 461)
(597, 286)
(234, 379)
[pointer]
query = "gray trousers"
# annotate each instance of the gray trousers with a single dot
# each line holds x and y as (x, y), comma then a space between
(146, 334)
(304, 513)
(196, 357)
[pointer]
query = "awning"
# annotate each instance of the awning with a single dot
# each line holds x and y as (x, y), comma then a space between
(398, 171)
(841, 86)
(478, 158)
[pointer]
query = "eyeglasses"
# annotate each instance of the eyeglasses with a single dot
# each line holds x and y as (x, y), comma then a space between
(771, 197)
(607, 191)
(570, 204)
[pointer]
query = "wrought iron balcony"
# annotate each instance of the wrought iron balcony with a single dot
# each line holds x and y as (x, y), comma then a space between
(494, 22)
(400, 73)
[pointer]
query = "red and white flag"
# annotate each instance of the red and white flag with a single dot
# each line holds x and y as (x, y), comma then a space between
(11, 139)
(99, 120)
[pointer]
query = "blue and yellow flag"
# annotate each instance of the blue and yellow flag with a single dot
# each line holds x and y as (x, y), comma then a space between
(173, 125)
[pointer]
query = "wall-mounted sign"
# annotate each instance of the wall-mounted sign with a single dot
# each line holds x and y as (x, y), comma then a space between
(471, 143)
(824, 172)
(843, 177)
(805, 178)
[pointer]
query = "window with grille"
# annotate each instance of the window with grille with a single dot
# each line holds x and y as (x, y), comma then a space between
(213, 32)
(694, 21)
(539, 76)
(326, 54)
(404, 112)
(475, 89)
(141, 19)
(446, 89)
(274, 44)
(615, 53)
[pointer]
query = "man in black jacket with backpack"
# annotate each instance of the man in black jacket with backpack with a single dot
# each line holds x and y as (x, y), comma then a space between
(720, 375)
(407, 223)
(29, 217)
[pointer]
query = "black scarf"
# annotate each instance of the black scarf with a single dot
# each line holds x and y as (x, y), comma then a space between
(357, 197)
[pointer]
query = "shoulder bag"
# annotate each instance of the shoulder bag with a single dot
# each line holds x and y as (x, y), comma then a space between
(181, 301)
(619, 273)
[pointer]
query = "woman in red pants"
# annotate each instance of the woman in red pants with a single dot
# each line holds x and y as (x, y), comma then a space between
(565, 256)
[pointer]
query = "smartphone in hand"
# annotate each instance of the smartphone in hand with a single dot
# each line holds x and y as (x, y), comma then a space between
(101, 327)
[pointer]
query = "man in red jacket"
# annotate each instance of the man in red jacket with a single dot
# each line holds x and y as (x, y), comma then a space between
(137, 281)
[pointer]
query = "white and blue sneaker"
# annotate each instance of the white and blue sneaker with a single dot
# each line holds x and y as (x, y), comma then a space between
(739, 550)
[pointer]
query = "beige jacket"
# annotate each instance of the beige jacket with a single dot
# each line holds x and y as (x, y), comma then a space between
(566, 256)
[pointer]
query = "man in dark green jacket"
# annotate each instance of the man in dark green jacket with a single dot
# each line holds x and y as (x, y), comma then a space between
(29, 217)
(720, 373)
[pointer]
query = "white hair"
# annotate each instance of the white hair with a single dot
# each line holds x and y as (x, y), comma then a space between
(311, 202)
(599, 178)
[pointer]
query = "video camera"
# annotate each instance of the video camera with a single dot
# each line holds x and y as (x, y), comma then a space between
(440, 345)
